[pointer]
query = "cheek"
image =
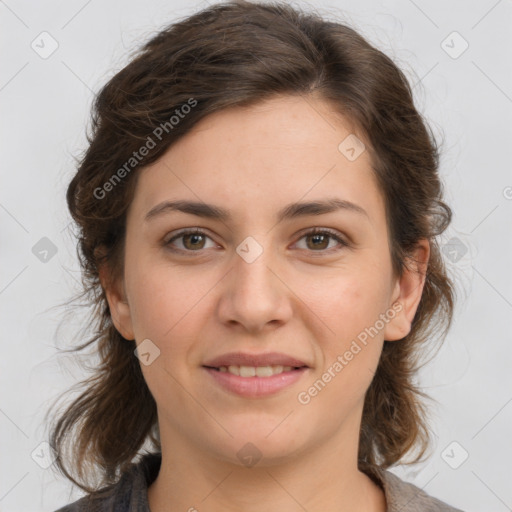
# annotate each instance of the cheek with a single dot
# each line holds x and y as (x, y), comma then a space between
(167, 303)
(348, 302)
(350, 347)
(156, 303)
(167, 307)
(350, 307)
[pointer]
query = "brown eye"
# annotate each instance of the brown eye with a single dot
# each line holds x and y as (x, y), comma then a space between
(318, 240)
(191, 241)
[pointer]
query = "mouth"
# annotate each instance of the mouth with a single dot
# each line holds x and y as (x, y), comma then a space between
(254, 382)
(253, 375)
(255, 371)
(245, 362)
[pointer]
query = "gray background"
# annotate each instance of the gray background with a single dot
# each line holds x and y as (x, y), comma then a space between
(467, 98)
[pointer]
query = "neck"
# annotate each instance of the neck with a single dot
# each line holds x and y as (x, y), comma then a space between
(322, 479)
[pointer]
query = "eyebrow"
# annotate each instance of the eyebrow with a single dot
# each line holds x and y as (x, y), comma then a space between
(290, 211)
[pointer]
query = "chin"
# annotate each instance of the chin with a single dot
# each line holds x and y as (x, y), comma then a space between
(261, 445)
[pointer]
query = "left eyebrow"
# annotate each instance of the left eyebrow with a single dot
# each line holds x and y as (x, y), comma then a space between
(290, 211)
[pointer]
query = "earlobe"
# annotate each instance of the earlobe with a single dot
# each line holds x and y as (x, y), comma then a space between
(407, 293)
(118, 305)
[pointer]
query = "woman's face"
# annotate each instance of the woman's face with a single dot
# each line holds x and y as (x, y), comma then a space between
(258, 281)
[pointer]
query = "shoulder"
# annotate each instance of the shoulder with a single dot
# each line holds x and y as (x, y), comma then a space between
(129, 494)
(403, 496)
(113, 498)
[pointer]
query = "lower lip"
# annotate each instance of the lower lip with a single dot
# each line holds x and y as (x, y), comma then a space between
(254, 387)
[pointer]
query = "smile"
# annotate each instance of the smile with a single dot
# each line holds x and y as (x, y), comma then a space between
(255, 381)
(255, 371)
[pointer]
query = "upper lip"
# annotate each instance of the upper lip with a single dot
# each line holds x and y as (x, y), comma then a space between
(245, 359)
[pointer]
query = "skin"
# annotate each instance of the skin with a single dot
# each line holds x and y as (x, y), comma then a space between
(309, 299)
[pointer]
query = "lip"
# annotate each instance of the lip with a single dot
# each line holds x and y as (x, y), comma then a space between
(246, 359)
(255, 387)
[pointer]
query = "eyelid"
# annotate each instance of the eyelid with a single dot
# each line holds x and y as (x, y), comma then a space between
(185, 231)
(334, 234)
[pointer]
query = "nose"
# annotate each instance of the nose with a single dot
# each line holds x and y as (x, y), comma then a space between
(254, 294)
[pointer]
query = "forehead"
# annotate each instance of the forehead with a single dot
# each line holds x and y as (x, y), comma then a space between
(279, 151)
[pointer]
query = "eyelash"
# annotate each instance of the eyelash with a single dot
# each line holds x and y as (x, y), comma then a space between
(315, 231)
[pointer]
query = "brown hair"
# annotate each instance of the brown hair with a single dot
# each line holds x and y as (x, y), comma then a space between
(237, 54)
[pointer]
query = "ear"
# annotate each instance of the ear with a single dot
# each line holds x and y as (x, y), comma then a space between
(118, 303)
(407, 292)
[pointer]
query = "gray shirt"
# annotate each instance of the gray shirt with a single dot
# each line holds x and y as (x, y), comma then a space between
(129, 494)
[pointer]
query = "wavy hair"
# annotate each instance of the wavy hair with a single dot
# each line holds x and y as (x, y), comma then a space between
(239, 53)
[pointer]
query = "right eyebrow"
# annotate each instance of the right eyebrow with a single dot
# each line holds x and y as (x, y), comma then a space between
(290, 211)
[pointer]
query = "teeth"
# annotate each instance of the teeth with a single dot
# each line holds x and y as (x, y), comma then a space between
(255, 371)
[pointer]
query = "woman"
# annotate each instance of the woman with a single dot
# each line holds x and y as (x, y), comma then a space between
(258, 211)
